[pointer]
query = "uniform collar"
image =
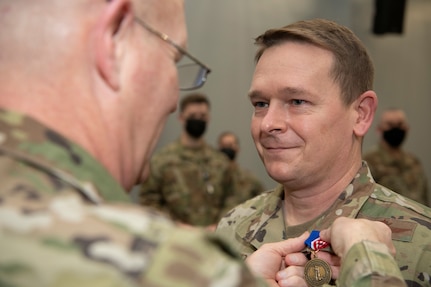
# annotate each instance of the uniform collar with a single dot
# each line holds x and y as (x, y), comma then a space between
(267, 219)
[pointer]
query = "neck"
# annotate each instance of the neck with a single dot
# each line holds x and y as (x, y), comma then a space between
(189, 141)
(303, 205)
(301, 209)
(392, 150)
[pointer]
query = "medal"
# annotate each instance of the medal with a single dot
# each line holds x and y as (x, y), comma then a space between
(316, 272)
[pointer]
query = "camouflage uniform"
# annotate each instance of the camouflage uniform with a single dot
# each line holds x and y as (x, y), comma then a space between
(403, 174)
(260, 220)
(192, 185)
(64, 222)
(245, 185)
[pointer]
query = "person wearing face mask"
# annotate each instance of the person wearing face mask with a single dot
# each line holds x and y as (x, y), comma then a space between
(246, 184)
(189, 179)
(391, 165)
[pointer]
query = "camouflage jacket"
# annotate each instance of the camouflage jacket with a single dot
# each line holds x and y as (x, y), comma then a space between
(260, 220)
(64, 221)
(403, 174)
(192, 185)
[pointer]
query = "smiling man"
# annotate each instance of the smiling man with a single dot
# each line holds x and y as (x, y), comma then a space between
(313, 103)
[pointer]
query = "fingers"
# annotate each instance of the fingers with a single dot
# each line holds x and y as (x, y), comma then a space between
(331, 259)
(291, 276)
(295, 259)
(296, 262)
(292, 245)
(345, 232)
(286, 247)
(325, 235)
(267, 260)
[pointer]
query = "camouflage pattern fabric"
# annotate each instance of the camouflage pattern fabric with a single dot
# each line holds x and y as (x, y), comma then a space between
(64, 221)
(245, 186)
(260, 220)
(403, 174)
(368, 264)
(192, 185)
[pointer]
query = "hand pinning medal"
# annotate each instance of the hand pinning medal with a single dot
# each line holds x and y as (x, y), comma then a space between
(317, 272)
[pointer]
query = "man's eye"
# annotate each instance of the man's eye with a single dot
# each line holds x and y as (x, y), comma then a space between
(297, 102)
(260, 104)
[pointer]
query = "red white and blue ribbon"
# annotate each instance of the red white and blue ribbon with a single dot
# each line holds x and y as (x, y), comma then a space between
(314, 241)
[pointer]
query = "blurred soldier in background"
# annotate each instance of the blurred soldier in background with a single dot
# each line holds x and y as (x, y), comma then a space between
(189, 179)
(246, 184)
(391, 165)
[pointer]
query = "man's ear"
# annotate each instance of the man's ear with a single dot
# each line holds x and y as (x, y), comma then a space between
(365, 106)
(110, 24)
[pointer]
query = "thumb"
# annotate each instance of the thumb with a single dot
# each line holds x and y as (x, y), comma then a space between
(325, 235)
(293, 244)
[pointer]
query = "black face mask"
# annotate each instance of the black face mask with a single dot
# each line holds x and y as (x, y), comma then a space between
(195, 128)
(231, 153)
(394, 137)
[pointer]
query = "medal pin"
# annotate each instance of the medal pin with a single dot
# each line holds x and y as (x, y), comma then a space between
(316, 272)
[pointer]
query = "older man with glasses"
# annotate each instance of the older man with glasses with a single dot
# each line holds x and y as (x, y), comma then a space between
(85, 92)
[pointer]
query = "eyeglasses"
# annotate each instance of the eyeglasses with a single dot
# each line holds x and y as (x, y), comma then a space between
(191, 75)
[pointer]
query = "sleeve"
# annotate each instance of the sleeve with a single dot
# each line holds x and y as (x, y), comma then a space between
(370, 264)
(196, 259)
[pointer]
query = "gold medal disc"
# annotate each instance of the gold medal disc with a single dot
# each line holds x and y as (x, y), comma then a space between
(317, 272)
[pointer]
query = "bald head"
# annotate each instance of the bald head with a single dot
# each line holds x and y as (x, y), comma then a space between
(87, 68)
(35, 33)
